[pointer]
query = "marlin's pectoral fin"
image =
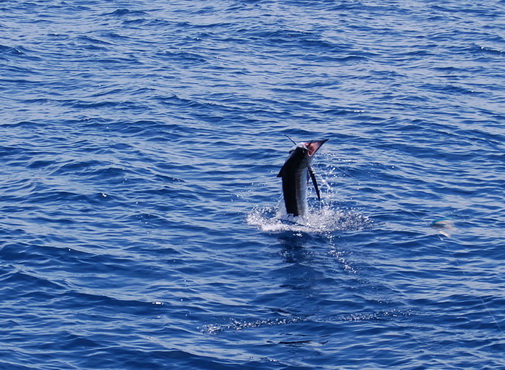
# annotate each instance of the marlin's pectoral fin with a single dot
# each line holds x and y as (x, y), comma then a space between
(313, 177)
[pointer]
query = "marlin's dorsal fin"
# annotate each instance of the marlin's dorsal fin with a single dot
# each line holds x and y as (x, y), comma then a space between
(313, 177)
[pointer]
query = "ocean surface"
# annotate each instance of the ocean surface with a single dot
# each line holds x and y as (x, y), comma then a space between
(142, 222)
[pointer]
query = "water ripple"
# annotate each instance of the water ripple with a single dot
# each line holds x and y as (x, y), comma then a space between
(142, 221)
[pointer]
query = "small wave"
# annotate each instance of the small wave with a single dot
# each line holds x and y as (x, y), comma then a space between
(8, 50)
(325, 219)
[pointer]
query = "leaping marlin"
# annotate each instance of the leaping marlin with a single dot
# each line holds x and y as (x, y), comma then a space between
(295, 173)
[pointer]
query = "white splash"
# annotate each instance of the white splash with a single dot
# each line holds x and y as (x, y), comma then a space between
(318, 220)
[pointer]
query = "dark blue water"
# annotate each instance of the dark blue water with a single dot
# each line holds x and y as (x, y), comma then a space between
(141, 216)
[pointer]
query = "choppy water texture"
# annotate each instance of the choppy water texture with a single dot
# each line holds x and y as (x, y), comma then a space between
(141, 222)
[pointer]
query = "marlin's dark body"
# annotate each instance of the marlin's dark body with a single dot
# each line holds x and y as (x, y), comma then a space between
(295, 173)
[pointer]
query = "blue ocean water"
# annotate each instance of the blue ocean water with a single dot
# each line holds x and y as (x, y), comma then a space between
(141, 216)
